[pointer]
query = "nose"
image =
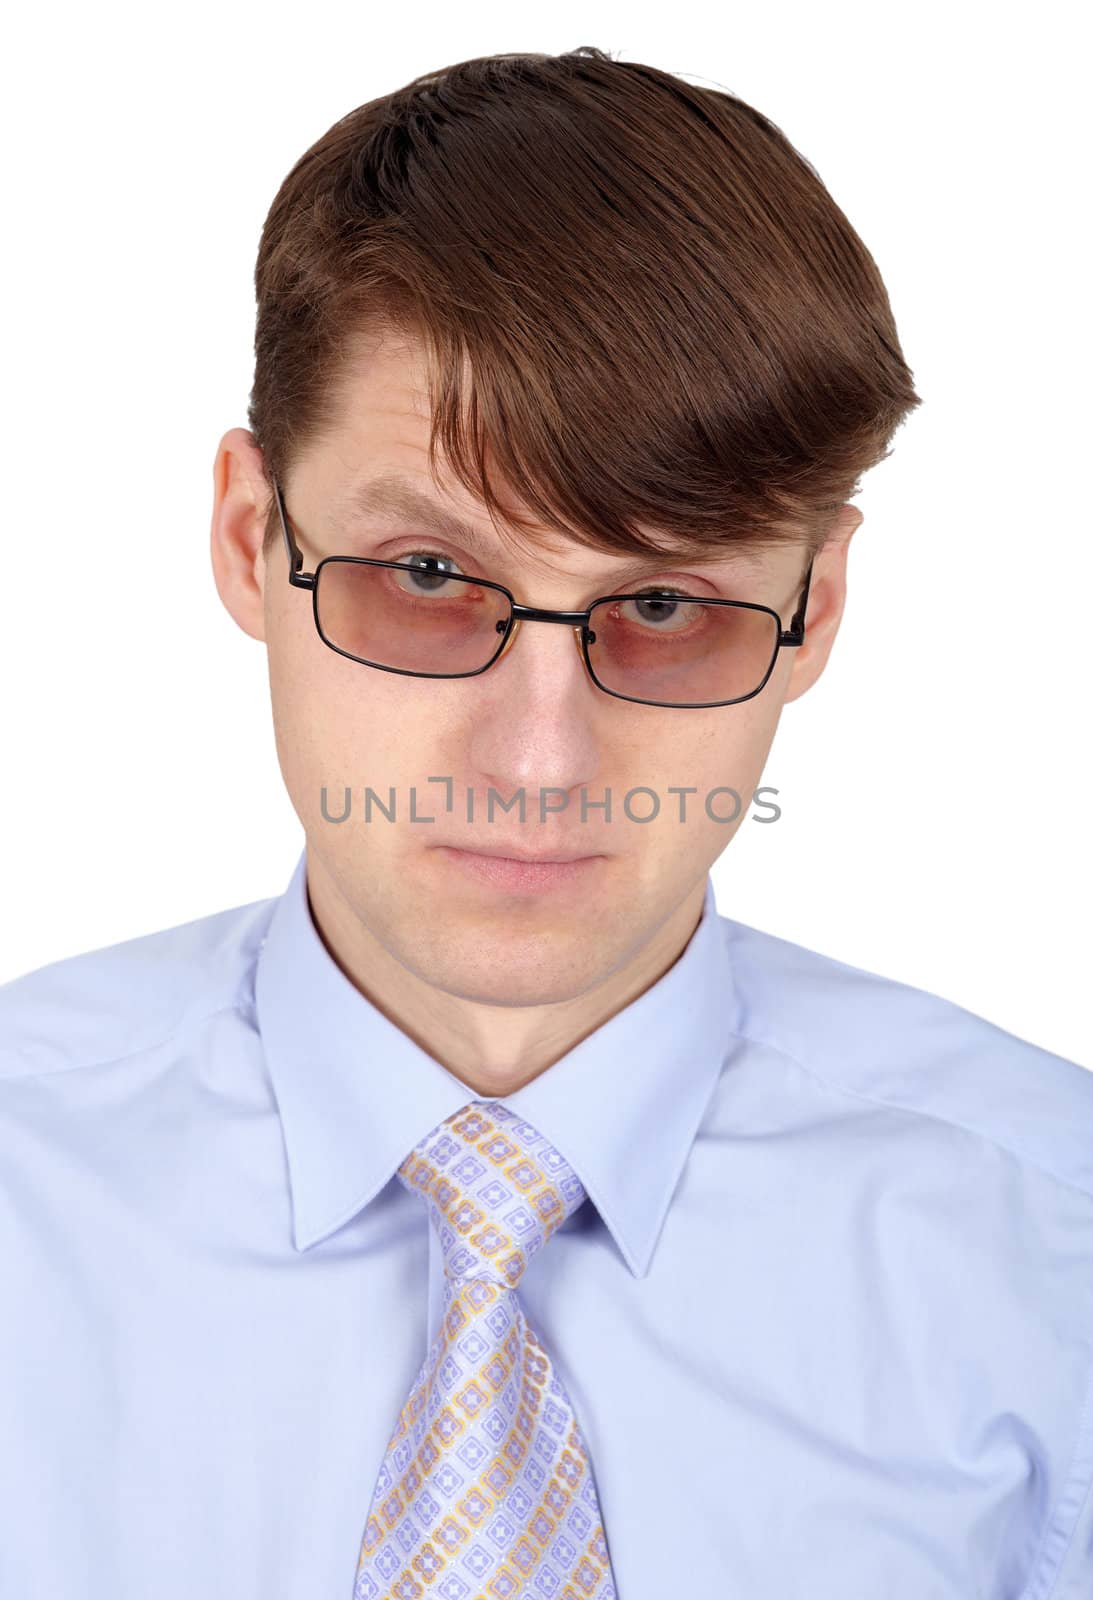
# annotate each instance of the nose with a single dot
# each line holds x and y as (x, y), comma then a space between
(553, 744)
(577, 631)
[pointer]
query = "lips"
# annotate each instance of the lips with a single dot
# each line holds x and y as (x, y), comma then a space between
(513, 852)
(508, 876)
(516, 853)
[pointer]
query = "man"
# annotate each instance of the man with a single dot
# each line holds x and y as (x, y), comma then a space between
(487, 1216)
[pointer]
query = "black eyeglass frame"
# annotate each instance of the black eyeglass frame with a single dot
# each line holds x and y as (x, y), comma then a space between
(577, 620)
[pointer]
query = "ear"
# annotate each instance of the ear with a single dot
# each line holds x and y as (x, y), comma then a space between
(240, 497)
(826, 598)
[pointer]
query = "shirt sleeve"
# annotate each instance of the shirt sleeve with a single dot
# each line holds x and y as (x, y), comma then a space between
(1064, 1565)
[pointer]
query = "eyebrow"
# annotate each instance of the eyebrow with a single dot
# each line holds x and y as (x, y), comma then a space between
(392, 496)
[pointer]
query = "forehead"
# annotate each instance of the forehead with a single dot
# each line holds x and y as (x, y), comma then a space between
(381, 479)
(387, 494)
(390, 498)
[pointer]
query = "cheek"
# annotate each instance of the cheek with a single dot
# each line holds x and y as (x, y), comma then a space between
(348, 726)
(318, 726)
(704, 749)
(722, 763)
(744, 735)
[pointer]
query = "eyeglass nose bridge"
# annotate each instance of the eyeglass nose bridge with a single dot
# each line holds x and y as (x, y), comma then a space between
(577, 620)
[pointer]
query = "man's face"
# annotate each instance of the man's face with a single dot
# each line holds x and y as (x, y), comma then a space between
(534, 721)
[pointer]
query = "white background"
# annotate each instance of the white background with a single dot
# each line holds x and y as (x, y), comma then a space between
(934, 783)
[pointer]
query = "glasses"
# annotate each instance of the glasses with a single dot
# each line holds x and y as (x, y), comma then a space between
(656, 646)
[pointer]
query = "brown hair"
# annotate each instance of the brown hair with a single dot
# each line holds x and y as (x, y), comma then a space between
(633, 295)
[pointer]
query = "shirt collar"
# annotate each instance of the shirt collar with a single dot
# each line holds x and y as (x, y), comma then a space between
(355, 1093)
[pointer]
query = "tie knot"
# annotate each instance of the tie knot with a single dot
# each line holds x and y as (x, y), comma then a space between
(496, 1190)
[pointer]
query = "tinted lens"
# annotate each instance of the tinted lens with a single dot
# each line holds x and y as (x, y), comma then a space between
(412, 620)
(681, 651)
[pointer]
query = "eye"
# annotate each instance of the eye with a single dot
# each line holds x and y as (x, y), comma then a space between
(434, 571)
(659, 609)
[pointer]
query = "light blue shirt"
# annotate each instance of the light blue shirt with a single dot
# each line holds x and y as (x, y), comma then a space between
(825, 1317)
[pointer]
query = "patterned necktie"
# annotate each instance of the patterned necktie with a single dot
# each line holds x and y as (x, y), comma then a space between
(486, 1491)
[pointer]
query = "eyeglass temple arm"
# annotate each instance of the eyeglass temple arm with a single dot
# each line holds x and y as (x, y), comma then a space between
(302, 580)
(795, 633)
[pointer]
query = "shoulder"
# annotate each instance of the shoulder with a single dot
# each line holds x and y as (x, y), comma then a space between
(892, 1044)
(119, 1000)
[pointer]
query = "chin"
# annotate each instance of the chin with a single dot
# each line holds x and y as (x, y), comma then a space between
(508, 969)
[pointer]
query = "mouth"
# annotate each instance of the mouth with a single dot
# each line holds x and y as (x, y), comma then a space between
(533, 858)
(521, 874)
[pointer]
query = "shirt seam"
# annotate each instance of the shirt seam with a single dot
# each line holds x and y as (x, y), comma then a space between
(178, 1029)
(915, 1111)
(1060, 1526)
